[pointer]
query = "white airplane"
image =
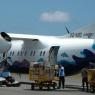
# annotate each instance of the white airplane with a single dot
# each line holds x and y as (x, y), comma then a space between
(73, 51)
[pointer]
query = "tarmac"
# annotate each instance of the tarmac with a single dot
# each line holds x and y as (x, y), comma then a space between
(72, 87)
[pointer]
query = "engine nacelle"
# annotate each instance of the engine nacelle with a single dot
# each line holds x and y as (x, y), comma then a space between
(5, 42)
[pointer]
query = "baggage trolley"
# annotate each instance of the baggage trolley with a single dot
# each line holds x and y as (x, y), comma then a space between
(42, 76)
(91, 79)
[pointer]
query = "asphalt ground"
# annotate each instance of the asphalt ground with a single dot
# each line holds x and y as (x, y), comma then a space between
(72, 87)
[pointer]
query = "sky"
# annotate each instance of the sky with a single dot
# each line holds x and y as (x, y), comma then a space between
(45, 17)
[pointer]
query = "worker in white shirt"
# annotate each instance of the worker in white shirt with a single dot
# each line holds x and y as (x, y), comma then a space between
(61, 74)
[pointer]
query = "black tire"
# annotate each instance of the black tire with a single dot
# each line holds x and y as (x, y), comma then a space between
(40, 87)
(32, 87)
(48, 87)
(54, 85)
(91, 89)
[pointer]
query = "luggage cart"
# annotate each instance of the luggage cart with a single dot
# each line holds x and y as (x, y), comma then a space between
(42, 76)
(91, 79)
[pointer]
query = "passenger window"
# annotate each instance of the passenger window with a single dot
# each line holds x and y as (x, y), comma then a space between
(25, 53)
(31, 53)
(41, 53)
(44, 53)
(21, 53)
(18, 53)
(34, 53)
(11, 53)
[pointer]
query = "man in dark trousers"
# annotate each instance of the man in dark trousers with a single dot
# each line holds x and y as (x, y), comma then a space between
(61, 74)
(84, 75)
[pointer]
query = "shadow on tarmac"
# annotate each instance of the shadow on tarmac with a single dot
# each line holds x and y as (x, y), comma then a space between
(57, 90)
(68, 88)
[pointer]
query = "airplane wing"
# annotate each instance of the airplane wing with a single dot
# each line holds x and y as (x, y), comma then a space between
(23, 37)
(34, 40)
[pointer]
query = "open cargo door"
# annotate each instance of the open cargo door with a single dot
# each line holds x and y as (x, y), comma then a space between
(53, 55)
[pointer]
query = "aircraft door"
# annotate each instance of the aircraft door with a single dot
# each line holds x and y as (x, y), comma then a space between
(53, 55)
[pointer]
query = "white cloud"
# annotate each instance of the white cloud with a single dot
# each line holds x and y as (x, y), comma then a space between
(57, 16)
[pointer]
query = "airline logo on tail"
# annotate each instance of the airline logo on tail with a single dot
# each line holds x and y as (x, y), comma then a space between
(82, 35)
(86, 32)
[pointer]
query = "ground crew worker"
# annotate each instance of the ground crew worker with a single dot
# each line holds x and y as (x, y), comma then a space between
(61, 75)
(84, 78)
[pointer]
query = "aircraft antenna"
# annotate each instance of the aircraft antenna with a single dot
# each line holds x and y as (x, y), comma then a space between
(67, 30)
